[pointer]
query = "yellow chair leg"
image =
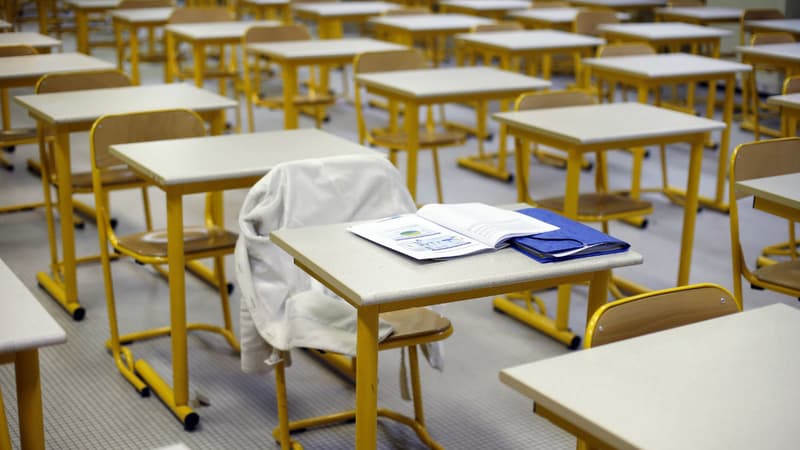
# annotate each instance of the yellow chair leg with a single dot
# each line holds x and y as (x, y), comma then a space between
(437, 176)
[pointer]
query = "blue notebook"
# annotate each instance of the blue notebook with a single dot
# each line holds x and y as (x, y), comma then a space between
(571, 240)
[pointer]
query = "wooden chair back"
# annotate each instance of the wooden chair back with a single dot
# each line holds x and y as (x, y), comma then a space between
(276, 34)
(763, 159)
(757, 14)
(657, 311)
(407, 59)
(197, 14)
(140, 127)
(549, 4)
(16, 50)
(78, 81)
(625, 49)
(587, 21)
(553, 99)
(506, 25)
(791, 85)
(138, 4)
(409, 11)
(771, 38)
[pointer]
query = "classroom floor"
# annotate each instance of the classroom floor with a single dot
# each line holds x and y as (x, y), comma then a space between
(88, 405)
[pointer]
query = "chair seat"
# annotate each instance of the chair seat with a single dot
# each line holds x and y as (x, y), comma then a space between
(414, 323)
(196, 240)
(599, 205)
(786, 274)
(17, 136)
(82, 181)
(436, 138)
(299, 100)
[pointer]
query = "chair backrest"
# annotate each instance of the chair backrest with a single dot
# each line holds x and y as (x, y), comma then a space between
(16, 50)
(276, 34)
(771, 38)
(549, 4)
(406, 59)
(140, 127)
(80, 81)
(197, 14)
(757, 14)
(408, 11)
(587, 21)
(791, 85)
(553, 99)
(625, 49)
(658, 311)
(763, 159)
(506, 25)
(137, 4)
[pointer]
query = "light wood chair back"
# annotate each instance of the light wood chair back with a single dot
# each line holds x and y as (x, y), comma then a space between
(771, 38)
(549, 4)
(625, 49)
(16, 50)
(198, 14)
(408, 11)
(387, 61)
(757, 160)
(506, 25)
(138, 4)
(587, 21)
(658, 311)
(276, 34)
(791, 85)
(81, 81)
(554, 99)
(756, 14)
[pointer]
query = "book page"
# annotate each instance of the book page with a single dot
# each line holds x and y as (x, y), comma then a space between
(418, 238)
(487, 224)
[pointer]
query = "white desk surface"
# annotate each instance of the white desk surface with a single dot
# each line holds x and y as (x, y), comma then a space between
(788, 52)
(34, 66)
(143, 15)
(367, 273)
(35, 40)
(788, 25)
(345, 9)
(216, 30)
(531, 39)
(555, 15)
(702, 12)
(451, 81)
(620, 3)
(729, 383)
(83, 106)
(667, 65)
(787, 101)
(608, 122)
(431, 22)
(664, 30)
(320, 49)
(781, 189)
(488, 5)
(90, 4)
(209, 158)
(24, 323)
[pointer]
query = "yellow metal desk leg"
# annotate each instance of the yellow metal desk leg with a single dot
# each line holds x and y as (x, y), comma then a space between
(724, 146)
(171, 65)
(82, 31)
(367, 378)
(289, 75)
(119, 44)
(690, 211)
(412, 129)
(29, 399)
(134, 43)
(199, 51)
(5, 438)
(598, 292)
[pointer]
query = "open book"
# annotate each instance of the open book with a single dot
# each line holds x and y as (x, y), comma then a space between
(439, 231)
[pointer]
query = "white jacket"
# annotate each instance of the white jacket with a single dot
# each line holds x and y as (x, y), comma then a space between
(281, 306)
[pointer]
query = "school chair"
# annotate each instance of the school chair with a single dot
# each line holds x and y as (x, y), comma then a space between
(644, 314)
(394, 137)
(9, 138)
(150, 247)
(758, 107)
(587, 21)
(255, 66)
(757, 160)
(756, 14)
(284, 308)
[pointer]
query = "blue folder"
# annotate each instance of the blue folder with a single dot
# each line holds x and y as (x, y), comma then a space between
(571, 236)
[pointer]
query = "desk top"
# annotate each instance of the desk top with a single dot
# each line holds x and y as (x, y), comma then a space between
(216, 30)
(787, 101)
(619, 3)
(667, 65)
(781, 189)
(24, 323)
(322, 49)
(345, 9)
(212, 158)
(85, 106)
(34, 66)
(789, 52)
(787, 25)
(431, 22)
(35, 40)
(488, 5)
(554, 16)
(143, 15)
(681, 388)
(655, 31)
(531, 39)
(608, 122)
(453, 81)
(702, 12)
(368, 274)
